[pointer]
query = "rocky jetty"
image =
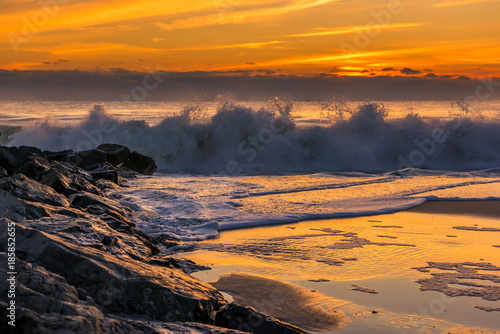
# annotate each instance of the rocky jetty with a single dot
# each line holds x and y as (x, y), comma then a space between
(81, 265)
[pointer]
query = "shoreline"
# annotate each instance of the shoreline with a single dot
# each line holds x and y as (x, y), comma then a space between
(481, 208)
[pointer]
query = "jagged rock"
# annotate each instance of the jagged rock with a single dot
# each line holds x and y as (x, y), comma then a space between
(85, 200)
(67, 179)
(34, 167)
(91, 158)
(140, 163)
(93, 232)
(28, 189)
(117, 154)
(11, 158)
(104, 172)
(104, 185)
(46, 303)
(3, 172)
(249, 320)
(117, 286)
(185, 265)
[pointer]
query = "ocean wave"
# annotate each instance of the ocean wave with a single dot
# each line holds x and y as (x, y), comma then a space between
(238, 140)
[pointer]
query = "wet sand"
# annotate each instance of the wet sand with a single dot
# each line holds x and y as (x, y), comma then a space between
(312, 255)
(477, 208)
(294, 304)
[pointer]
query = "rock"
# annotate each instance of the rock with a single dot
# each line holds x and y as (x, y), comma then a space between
(91, 158)
(25, 188)
(3, 172)
(123, 287)
(46, 303)
(117, 154)
(249, 320)
(82, 159)
(140, 163)
(185, 265)
(67, 179)
(11, 158)
(92, 232)
(34, 167)
(84, 200)
(104, 185)
(104, 172)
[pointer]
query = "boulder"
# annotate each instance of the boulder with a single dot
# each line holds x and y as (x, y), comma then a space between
(3, 172)
(67, 179)
(46, 303)
(104, 172)
(34, 167)
(117, 154)
(28, 189)
(140, 163)
(85, 200)
(11, 158)
(247, 319)
(122, 287)
(91, 158)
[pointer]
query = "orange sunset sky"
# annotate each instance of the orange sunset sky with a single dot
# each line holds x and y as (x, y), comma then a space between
(305, 37)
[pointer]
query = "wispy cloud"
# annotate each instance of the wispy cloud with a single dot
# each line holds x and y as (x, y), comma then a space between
(454, 3)
(231, 46)
(240, 17)
(348, 30)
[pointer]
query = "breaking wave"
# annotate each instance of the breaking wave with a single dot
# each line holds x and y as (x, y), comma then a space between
(239, 140)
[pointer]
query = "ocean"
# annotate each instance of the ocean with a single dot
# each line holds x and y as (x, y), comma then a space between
(225, 165)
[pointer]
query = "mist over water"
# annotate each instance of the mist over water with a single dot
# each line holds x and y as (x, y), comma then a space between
(233, 139)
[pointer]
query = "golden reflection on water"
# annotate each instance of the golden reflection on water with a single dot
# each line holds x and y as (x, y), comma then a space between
(308, 250)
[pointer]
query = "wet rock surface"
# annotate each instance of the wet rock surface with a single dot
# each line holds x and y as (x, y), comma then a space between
(82, 266)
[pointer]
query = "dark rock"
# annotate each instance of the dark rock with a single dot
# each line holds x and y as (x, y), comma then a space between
(249, 320)
(91, 158)
(11, 158)
(104, 185)
(185, 265)
(46, 303)
(117, 286)
(117, 154)
(140, 163)
(3, 172)
(34, 167)
(103, 172)
(84, 200)
(67, 179)
(25, 188)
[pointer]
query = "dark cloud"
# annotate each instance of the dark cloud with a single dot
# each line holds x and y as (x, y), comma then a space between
(463, 78)
(112, 85)
(250, 63)
(57, 62)
(365, 71)
(428, 70)
(387, 69)
(446, 76)
(431, 75)
(409, 71)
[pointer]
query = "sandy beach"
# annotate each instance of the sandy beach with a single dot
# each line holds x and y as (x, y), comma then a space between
(469, 208)
(370, 273)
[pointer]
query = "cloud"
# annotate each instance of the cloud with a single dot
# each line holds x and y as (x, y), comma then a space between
(348, 30)
(254, 85)
(387, 69)
(460, 3)
(446, 76)
(233, 16)
(230, 46)
(463, 78)
(57, 62)
(431, 76)
(409, 71)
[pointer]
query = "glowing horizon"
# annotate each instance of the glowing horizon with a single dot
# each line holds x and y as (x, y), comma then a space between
(297, 37)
